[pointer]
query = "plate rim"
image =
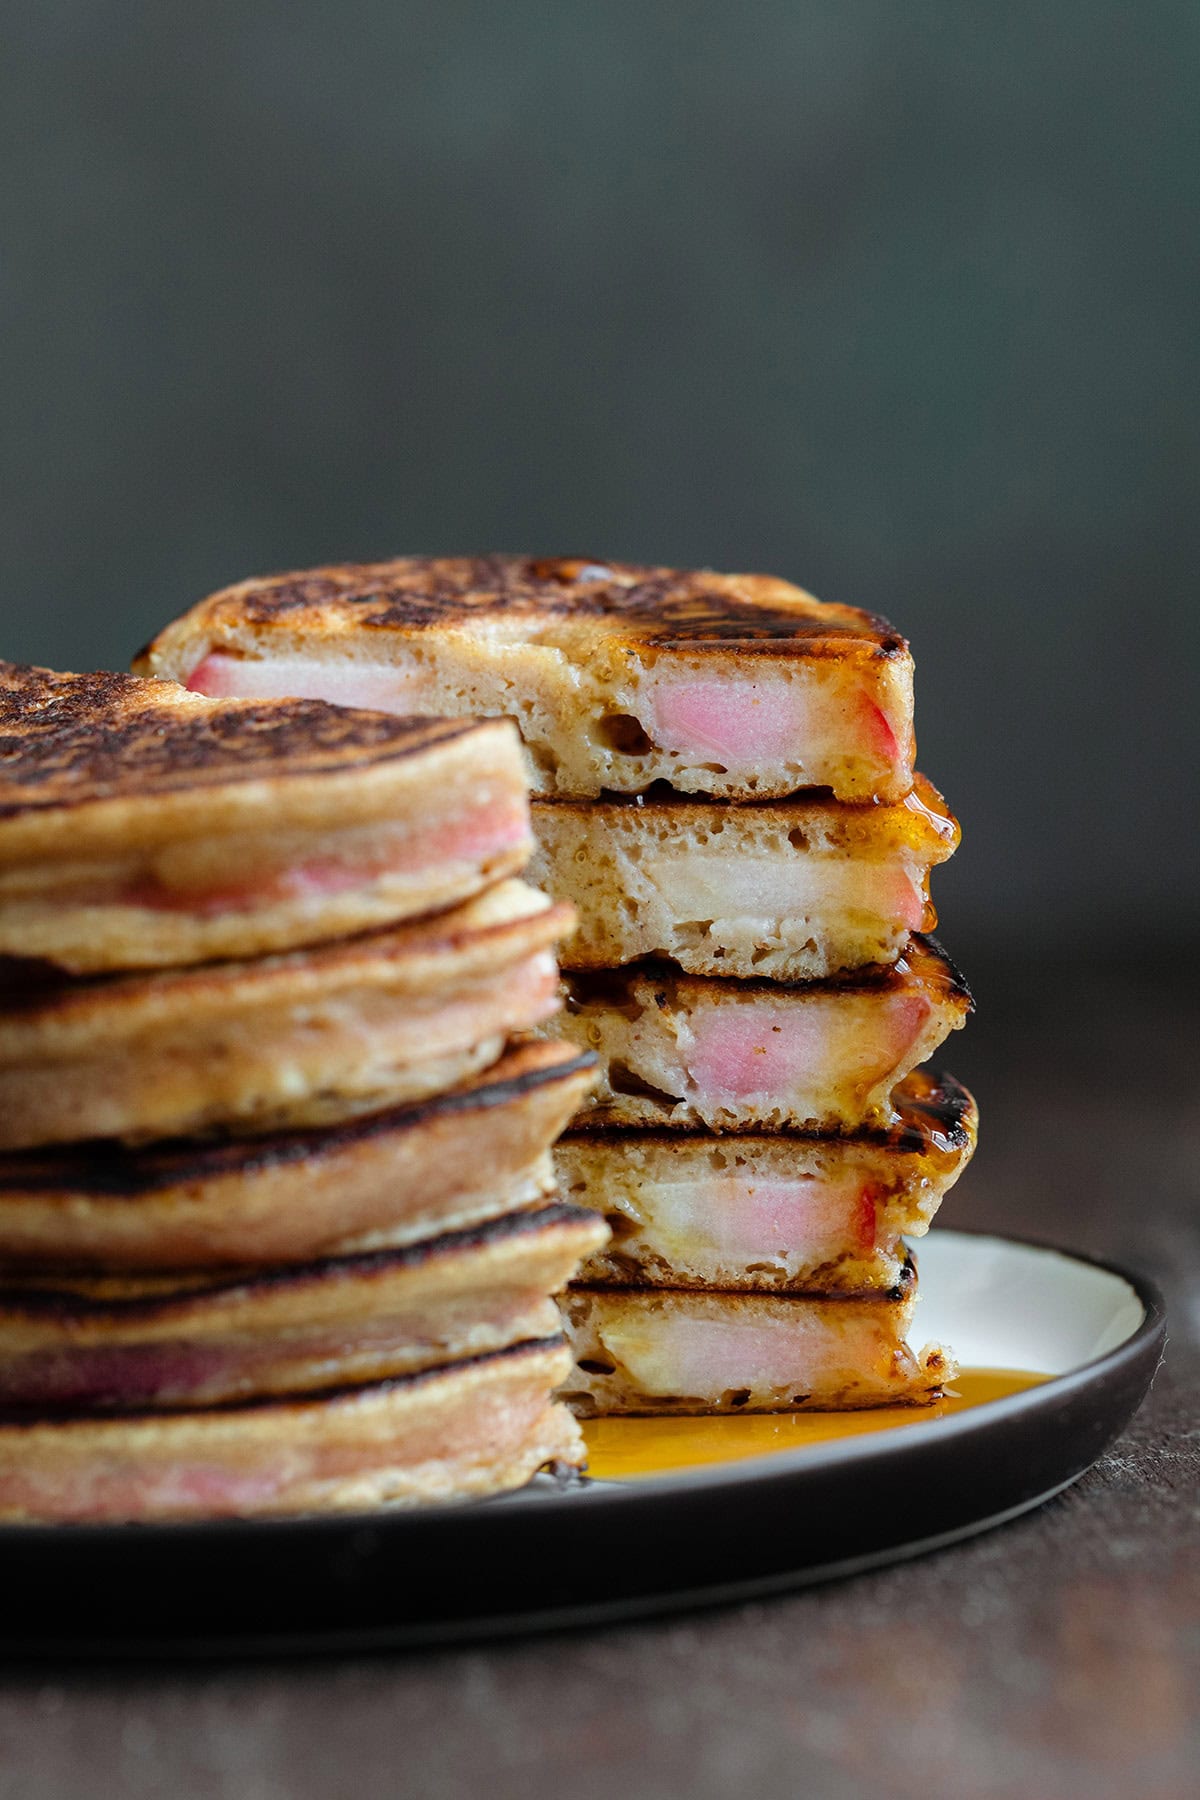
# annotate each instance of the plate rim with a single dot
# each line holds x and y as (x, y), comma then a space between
(876, 1446)
(487, 1628)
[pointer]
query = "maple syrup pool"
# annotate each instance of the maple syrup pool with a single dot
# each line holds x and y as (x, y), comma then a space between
(624, 1449)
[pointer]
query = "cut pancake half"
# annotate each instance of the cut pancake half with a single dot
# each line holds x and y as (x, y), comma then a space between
(386, 1179)
(790, 891)
(652, 1351)
(744, 1055)
(787, 1212)
(126, 1343)
(455, 1433)
(294, 1040)
(738, 686)
(145, 827)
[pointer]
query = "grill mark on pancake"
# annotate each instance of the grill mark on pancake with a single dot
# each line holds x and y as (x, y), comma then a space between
(661, 797)
(70, 1305)
(743, 1297)
(668, 609)
(931, 968)
(362, 958)
(66, 740)
(280, 1405)
(104, 1169)
(937, 1117)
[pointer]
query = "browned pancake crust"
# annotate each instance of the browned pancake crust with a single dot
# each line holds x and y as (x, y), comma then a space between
(924, 960)
(936, 1118)
(284, 1042)
(473, 1427)
(922, 819)
(110, 1170)
(629, 1281)
(273, 1408)
(377, 1181)
(55, 1014)
(673, 609)
(77, 1303)
(68, 740)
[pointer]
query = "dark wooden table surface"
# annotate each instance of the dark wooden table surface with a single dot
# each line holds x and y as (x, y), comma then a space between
(1059, 1656)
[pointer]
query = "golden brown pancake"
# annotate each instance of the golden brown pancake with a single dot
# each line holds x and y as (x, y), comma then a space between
(789, 890)
(126, 1343)
(386, 1179)
(655, 1351)
(301, 1039)
(618, 675)
(789, 1212)
(141, 826)
(455, 1433)
(760, 1055)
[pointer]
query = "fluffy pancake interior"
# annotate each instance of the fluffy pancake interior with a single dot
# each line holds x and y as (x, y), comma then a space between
(654, 1352)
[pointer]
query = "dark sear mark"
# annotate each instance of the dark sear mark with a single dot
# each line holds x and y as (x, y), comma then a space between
(657, 607)
(113, 1170)
(281, 1405)
(68, 738)
(36, 1296)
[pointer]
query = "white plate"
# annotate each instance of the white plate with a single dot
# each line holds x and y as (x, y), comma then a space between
(600, 1551)
(1009, 1305)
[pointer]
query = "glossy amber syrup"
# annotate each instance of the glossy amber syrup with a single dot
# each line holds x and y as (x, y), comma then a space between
(623, 1449)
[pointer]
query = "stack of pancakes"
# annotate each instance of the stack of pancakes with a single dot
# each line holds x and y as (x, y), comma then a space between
(278, 1223)
(726, 793)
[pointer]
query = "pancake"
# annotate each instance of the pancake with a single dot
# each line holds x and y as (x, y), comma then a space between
(121, 1343)
(300, 1039)
(455, 1433)
(738, 686)
(386, 1179)
(791, 891)
(758, 1055)
(143, 827)
(786, 1212)
(653, 1351)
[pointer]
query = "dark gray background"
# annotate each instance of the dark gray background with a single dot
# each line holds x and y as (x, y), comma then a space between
(897, 300)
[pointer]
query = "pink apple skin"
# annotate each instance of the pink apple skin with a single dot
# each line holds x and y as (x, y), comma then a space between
(479, 833)
(809, 1219)
(771, 1049)
(707, 1356)
(375, 686)
(744, 727)
(740, 723)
